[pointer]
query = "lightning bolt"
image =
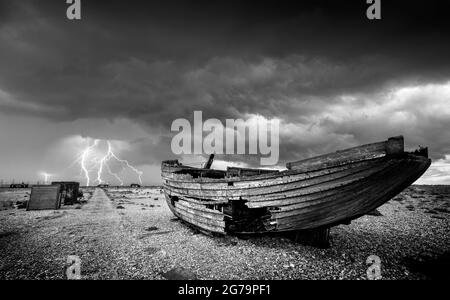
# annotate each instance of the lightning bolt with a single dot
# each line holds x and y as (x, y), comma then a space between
(102, 164)
(123, 161)
(84, 156)
(114, 174)
(46, 177)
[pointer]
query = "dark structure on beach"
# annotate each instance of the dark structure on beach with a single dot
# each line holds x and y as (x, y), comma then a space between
(44, 197)
(70, 190)
(312, 194)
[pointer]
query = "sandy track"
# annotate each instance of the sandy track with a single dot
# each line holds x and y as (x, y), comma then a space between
(95, 233)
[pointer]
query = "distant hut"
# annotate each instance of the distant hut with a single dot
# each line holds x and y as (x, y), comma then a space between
(135, 185)
(18, 185)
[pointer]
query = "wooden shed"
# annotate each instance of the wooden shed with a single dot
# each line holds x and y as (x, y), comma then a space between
(44, 197)
(69, 191)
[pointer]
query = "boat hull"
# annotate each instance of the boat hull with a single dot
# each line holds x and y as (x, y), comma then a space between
(318, 192)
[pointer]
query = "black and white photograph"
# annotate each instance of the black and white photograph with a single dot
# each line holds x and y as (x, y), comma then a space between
(224, 141)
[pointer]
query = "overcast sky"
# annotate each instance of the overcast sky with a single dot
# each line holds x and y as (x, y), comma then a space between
(127, 69)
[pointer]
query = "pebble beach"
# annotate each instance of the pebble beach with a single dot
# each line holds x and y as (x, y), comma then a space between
(129, 233)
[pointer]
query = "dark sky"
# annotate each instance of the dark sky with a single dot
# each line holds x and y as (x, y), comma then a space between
(127, 69)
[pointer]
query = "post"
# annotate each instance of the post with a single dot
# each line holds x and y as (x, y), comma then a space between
(209, 162)
(395, 145)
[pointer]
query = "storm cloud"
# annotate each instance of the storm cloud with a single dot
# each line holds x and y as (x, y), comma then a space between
(125, 71)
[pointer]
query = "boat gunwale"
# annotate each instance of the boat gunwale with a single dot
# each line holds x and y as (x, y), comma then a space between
(270, 175)
(179, 190)
(263, 176)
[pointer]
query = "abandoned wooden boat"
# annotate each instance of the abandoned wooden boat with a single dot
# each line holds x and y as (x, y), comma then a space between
(318, 192)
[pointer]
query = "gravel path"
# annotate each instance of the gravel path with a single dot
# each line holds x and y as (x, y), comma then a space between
(131, 234)
(96, 233)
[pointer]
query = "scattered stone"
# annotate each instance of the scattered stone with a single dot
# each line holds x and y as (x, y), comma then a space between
(21, 204)
(375, 213)
(152, 250)
(410, 207)
(119, 244)
(442, 210)
(7, 233)
(179, 273)
(145, 235)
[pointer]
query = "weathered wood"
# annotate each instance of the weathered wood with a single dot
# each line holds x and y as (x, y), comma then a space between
(362, 203)
(265, 179)
(339, 209)
(316, 184)
(209, 162)
(211, 214)
(69, 191)
(393, 145)
(202, 223)
(243, 172)
(209, 219)
(282, 179)
(44, 197)
(198, 207)
(316, 193)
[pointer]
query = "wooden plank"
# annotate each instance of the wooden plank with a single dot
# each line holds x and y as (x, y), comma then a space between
(44, 197)
(336, 204)
(340, 157)
(197, 201)
(211, 214)
(200, 208)
(194, 221)
(242, 172)
(393, 145)
(209, 162)
(342, 208)
(307, 186)
(281, 178)
(281, 184)
(297, 197)
(199, 217)
(254, 181)
(389, 185)
(303, 200)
